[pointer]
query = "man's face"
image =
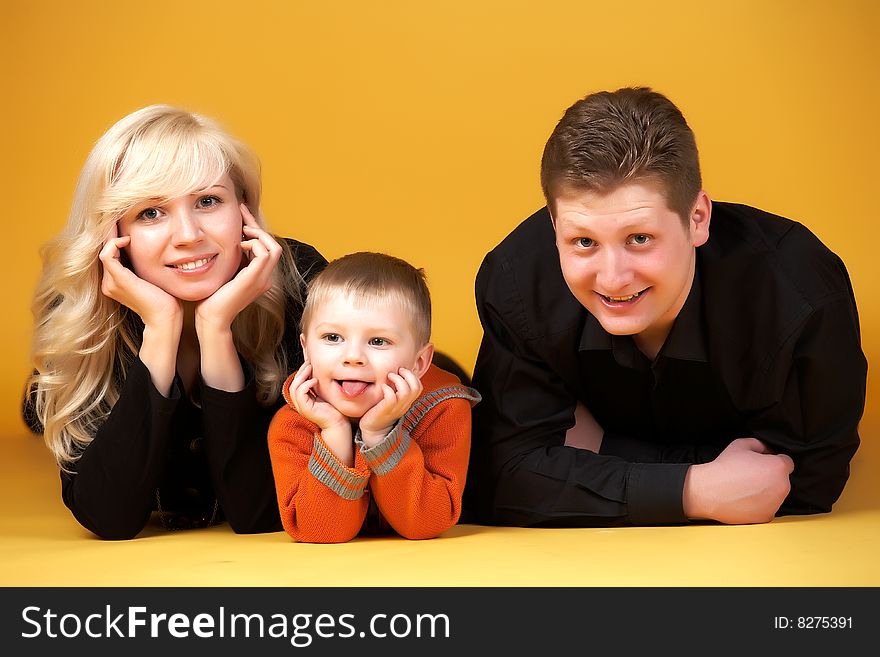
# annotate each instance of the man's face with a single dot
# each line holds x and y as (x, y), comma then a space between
(628, 258)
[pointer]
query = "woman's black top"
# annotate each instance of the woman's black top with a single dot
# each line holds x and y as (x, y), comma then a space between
(197, 459)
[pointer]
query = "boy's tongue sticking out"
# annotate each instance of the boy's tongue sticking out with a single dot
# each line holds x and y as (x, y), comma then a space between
(353, 388)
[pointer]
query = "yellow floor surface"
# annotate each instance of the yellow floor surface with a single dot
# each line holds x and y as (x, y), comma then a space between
(42, 545)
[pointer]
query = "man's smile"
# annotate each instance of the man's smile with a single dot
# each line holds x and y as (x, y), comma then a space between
(628, 299)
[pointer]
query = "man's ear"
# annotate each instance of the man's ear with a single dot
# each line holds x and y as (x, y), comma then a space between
(423, 360)
(701, 217)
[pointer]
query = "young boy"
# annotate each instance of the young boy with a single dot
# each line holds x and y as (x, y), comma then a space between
(373, 437)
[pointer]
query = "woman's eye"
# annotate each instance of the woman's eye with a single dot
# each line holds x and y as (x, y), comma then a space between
(209, 201)
(641, 239)
(150, 214)
(378, 342)
(584, 242)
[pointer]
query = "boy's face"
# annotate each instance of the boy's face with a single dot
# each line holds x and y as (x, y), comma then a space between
(628, 258)
(354, 346)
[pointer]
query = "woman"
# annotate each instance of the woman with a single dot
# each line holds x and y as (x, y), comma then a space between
(166, 320)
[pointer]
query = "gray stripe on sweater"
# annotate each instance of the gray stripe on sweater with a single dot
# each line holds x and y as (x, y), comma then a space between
(330, 474)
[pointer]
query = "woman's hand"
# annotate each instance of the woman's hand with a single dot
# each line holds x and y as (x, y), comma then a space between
(154, 305)
(221, 308)
(379, 420)
(220, 366)
(161, 313)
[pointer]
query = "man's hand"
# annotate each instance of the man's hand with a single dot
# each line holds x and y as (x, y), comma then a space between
(379, 420)
(745, 484)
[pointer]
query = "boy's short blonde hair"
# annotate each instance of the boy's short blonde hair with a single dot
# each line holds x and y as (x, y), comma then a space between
(371, 277)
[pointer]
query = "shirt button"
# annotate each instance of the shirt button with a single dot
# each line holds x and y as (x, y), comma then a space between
(195, 445)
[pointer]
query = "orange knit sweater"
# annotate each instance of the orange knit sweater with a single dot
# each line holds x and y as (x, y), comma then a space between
(415, 476)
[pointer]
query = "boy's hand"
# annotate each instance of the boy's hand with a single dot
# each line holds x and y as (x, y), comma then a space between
(335, 427)
(308, 404)
(379, 420)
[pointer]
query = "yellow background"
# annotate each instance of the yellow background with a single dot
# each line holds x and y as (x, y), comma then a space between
(416, 128)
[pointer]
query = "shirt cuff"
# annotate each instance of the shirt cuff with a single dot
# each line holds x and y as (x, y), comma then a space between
(653, 493)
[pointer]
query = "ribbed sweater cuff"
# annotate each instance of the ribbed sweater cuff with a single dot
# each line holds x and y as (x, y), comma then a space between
(383, 457)
(349, 484)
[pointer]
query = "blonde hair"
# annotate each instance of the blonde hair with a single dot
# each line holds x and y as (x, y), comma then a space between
(372, 277)
(83, 341)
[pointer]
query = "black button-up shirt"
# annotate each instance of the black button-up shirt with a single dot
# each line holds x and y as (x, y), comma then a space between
(767, 345)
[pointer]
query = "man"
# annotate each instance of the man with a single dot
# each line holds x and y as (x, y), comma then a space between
(639, 367)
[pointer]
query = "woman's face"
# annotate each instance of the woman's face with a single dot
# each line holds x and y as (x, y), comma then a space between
(189, 246)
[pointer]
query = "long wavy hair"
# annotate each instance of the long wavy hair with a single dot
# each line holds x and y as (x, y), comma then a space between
(83, 341)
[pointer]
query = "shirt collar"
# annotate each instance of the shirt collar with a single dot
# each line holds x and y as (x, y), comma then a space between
(686, 340)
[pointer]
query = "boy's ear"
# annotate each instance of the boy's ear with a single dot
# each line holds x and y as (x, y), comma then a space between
(423, 360)
(302, 341)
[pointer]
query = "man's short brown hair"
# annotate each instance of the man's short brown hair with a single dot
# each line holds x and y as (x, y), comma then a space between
(371, 277)
(613, 137)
